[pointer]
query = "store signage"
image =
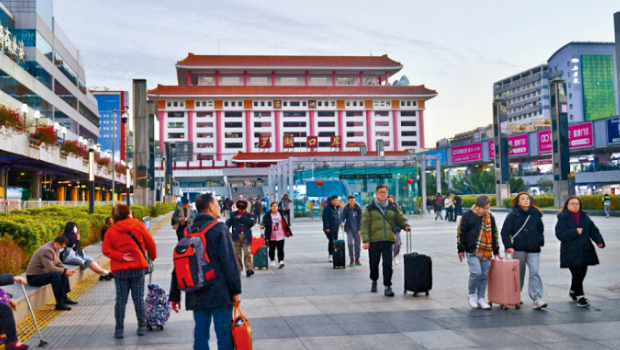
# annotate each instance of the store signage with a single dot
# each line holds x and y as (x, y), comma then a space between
(467, 153)
(264, 142)
(289, 141)
(312, 142)
(518, 145)
(545, 144)
(580, 135)
(613, 130)
(334, 142)
(10, 46)
(492, 149)
(364, 176)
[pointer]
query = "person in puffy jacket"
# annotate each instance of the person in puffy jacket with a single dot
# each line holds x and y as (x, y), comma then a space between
(331, 224)
(241, 223)
(576, 231)
(351, 218)
(128, 263)
(523, 236)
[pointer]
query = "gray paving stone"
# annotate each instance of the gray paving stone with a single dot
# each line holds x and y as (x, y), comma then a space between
(543, 334)
(440, 340)
(386, 341)
(592, 331)
(575, 346)
(492, 338)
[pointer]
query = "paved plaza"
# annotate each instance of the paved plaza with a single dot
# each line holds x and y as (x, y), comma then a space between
(309, 305)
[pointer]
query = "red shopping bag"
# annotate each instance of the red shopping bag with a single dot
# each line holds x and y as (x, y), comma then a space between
(241, 331)
(256, 244)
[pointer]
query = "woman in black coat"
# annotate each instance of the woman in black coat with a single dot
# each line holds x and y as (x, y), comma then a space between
(8, 333)
(276, 230)
(523, 236)
(576, 232)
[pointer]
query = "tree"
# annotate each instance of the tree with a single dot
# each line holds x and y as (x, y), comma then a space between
(431, 184)
(545, 185)
(482, 182)
(517, 185)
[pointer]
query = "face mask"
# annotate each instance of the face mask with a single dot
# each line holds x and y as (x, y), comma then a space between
(60, 250)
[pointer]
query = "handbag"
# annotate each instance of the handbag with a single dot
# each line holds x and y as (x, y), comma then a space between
(71, 257)
(151, 267)
(241, 331)
(512, 238)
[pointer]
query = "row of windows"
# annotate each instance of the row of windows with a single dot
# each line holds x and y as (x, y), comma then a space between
(285, 103)
(296, 124)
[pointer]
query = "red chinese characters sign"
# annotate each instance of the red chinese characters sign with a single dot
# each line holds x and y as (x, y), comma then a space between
(312, 142)
(289, 142)
(264, 142)
(334, 142)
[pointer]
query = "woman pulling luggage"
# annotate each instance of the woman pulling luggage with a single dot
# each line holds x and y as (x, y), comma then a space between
(576, 232)
(523, 236)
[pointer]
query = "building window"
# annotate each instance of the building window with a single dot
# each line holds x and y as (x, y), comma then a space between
(325, 144)
(176, 114)
(355, 114)
(326, 114)
(204, 125)
(176, 125)
(233, 135)
(233, 125)
(175, 104)
(327, 124)
(262, 114)
(234, 145)
(233, 114)
(327, 133)
(294, 104)
(381, 104)
(258, 81)
(288, 81)
(169, 104)
(231, 81)
(382, 123)
(262, 124)
(407, 123)
(294, 114)
(353, 124)
(225, 103)
(204, 114)
(295, 133)
(382, 114)
(410, 143)
(259, 134)
(204, 145)
(294, 124)
(176, 135)
(408, 113)
(409, 133)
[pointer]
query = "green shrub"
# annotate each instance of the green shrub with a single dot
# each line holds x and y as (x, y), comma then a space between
(540, 201)
(595, 202)
(468, 202)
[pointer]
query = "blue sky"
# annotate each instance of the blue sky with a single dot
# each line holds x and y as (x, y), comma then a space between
(457, 47)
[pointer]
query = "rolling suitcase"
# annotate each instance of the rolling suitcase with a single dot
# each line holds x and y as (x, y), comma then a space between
(261, 258)
(418, 271)
(504, 283)
(339, 254)
(157, 307)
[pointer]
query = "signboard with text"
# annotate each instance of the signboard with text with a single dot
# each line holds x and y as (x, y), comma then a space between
(334, 142)
(107, 118)
(545, 145)
(613, 130)
(467, 153)
(264, 142)
(312, 142)
(518, 145)
(289, 142)
(580, 135)
(492, 149)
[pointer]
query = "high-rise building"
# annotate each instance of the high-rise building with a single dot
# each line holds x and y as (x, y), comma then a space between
(588, 70)
(526, 95)
(112, 129)
(42, 69)
(230, 104)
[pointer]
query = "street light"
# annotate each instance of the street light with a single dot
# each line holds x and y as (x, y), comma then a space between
(128, 184)
(64, 132)
(24, 110)
(91, 179)
(37, 116)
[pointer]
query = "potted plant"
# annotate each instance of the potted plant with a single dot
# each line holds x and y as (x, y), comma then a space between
(75, 147)
(103, 162)
(44, 134)
(11, 118)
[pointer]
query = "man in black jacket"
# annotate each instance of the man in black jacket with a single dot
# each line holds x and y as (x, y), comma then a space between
(215, 302)
(331, 224)
(241, 222)
(351, 219)
(458, 206)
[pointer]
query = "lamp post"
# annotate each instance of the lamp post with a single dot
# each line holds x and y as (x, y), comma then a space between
(24, 110)
(64, 133)
(37, 116)
(128, 184)
(91, 179)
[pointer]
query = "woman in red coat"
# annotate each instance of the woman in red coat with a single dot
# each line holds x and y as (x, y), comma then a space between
(128, 263)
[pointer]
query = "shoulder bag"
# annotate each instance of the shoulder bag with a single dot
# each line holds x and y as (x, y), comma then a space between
(512, 238)
(150, 268)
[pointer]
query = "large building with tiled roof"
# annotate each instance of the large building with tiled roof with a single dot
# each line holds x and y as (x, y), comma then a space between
(230, 104)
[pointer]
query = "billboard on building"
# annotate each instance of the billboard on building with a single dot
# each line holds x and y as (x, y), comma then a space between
(443, 157)
(613, 130)
(467, 153)
(107, 104)
(580, 135)
(545, 145)
(599, 99)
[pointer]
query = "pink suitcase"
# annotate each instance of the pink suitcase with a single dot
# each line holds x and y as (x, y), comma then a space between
(504, 284)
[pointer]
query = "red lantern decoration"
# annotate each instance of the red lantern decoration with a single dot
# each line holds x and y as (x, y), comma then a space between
(404, 187)
(319, 183)
(409, 181)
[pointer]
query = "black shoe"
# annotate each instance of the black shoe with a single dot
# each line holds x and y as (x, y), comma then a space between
(572, 295)
(118, 334)
(70, 302)
(373, 289)
(63, 307)
(109, 276)
(583, 302)
(388, 292)
(102, 278)
(141, 331)
(249, 273)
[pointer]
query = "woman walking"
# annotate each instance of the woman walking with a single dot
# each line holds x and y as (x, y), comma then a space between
(127, 244)
(8, 332)
(576, 232)
(74, 255)
(477, 242)
(276, 230)
(523, 236)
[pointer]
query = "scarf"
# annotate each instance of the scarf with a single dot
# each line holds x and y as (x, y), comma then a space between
(576, 216)
(382, 205)
(484, 243)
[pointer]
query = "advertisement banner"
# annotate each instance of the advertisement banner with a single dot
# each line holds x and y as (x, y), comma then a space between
(613, 130)
(492, 149)
(312, 142)
(518, 145)
(107, 105)
(443, 157)
(580, 135)
(289, 142)
(467, 153)
(545, 145)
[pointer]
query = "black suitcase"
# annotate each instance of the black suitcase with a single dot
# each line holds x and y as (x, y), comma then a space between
(339, 255)
(418, 271)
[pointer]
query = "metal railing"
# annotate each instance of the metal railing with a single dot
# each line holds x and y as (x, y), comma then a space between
(16, 204)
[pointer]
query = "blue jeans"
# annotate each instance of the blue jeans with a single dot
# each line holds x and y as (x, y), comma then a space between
(222, 317)
(478, 271)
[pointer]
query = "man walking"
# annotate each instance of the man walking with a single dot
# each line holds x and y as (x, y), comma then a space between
(331, 224)
(378, 222)
(607, 204)
(258, 210)
(438, 206)
(241, 223)
(351, 219)
(45, 268)
(285, 207)
(215, 302)
(458, 206)
(182, 218)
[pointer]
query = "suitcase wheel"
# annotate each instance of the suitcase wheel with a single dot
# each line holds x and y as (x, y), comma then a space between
(426, 293)
(161, 328)
(517, 306)
(504, 307)
(149, 328)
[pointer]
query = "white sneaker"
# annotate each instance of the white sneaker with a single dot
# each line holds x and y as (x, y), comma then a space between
(395, 260)
(483, 304)
(281, 264)
(539, 304)
(472, 301)
(273, 263)
(331, 258)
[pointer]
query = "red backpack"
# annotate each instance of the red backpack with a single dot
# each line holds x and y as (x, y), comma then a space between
(191, 259)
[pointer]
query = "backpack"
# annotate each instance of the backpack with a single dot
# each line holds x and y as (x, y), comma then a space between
(191, 260)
